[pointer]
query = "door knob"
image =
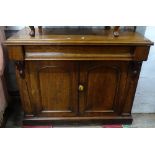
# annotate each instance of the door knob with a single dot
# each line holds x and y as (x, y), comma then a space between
(81, 87)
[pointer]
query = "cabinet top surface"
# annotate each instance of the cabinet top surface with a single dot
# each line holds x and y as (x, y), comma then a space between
(77, 36)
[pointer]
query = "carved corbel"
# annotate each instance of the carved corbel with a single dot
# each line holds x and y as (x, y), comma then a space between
(20, 65)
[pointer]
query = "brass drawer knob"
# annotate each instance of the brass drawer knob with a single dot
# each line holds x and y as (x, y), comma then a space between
(81, 87)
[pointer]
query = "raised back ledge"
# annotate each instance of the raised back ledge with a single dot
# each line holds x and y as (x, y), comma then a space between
(66, 36)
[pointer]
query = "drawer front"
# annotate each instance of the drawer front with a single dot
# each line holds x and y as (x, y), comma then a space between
(75, 52)
(78, 52)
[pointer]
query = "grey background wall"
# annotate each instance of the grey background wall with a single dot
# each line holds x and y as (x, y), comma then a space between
(141, 29)
(145, 95)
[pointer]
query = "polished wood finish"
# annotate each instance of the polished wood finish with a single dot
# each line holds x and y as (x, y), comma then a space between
(78, 76)
(85, 36)
(16, 53)
(103, 82)
(66, 52)
(53, 87)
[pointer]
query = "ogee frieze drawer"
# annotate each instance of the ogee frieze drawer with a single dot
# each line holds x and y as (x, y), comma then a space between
(78, 52)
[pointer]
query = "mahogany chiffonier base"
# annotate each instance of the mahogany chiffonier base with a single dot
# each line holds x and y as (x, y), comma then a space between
(83, 76)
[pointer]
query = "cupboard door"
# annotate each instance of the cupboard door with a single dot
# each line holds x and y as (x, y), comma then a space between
(53, 87)
(102, 87)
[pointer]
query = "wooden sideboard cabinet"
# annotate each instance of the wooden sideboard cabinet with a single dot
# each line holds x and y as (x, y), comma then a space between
(77, 76)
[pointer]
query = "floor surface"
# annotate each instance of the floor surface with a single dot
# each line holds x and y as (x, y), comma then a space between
(139, 121)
